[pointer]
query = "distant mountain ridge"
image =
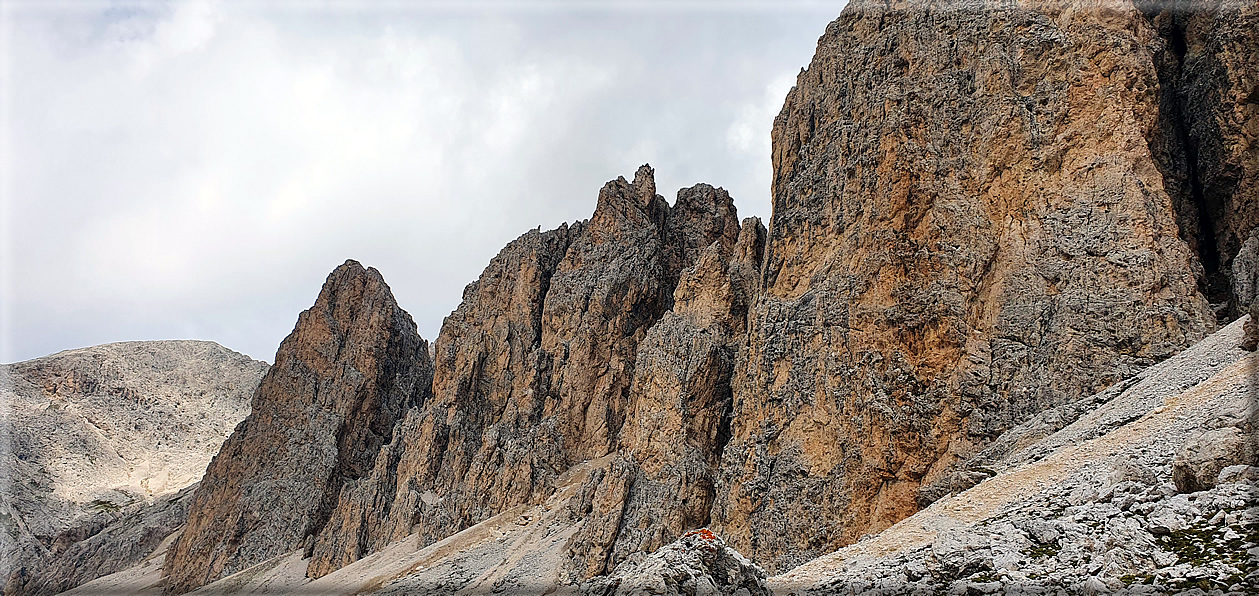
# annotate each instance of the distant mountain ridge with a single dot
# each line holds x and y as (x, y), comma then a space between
(98, 434)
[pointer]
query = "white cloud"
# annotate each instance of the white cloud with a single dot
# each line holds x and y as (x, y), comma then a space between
(196, 168)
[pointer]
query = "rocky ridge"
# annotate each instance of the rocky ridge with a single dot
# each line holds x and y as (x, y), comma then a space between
(100, 447)
(972, 224)
(1100, 505)
(982, 214)
(535, 369)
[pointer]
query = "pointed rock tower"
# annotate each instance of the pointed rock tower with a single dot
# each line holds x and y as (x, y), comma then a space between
(351, 367)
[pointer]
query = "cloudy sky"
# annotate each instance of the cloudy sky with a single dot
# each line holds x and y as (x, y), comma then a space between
(195, 170)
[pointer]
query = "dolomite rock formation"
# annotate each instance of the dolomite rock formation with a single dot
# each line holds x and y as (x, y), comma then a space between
(969, 227)
(1208, 142)
(1093, 508)
(983, 213)
(534, 369)
(352, 366)
(662, 482)
(97, 438)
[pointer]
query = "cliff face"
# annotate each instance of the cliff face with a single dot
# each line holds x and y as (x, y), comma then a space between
(352, 365)
(982, 211)
(1208, 145)
(662, 481)
(969, 227)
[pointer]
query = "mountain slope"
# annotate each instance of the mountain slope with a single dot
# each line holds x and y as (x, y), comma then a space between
(984, 212)
(99, 437)
(352, 365)
(1098, 505)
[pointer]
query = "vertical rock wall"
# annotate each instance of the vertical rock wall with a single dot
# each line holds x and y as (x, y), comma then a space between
(1208, 145)
(969, 227)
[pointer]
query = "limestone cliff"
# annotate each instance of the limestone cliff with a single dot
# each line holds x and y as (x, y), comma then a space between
(352, 365)
(982, 211)
(1208, 141)
(969, 227)
(662, 481)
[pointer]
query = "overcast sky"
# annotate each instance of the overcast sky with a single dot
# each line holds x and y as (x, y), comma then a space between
(195, 170)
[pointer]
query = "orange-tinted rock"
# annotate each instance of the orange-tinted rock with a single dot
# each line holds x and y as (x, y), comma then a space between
(351, 367)
(969, 227)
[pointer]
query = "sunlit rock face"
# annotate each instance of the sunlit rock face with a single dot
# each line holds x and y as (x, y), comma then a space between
(970, 226)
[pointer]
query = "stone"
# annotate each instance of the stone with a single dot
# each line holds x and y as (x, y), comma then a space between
(1208, 144)
(1238, 473)
(679, 414)
(535, 371)
(1250, 341)
(697, 563)
(1246, 271)
(1202, 458)
(99, 440)
(969, 228)
(350, 369)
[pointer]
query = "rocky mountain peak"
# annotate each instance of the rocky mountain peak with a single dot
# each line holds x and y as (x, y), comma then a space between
(624, 207)
(983, 212)
(352, 365)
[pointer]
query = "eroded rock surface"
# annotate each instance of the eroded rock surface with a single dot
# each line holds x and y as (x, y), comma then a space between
(534, 369)
(1097, 507)
(97, 438)
(983, 214)
(352, 366)
(1208, 144)
(663, 481)
(697, 563)
(969, 228)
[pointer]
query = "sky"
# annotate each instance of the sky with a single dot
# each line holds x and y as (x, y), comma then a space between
(194, 170)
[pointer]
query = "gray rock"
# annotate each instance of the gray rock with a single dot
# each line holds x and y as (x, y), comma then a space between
(353, 365)
(1202, 458)
(98, 438)
(697, 564)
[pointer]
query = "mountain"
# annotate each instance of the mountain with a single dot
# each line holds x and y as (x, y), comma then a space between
(1148, 491)
(352, 365)
(985, 215)
(101, 446)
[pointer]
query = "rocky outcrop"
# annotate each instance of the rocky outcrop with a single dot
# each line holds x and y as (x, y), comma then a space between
(697, 563)
(1199, 462)
(352, 366)
(98, 438)
(1251, 340)
(1208, 142)
(534, 369)
(663, 480)
(969, 228)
